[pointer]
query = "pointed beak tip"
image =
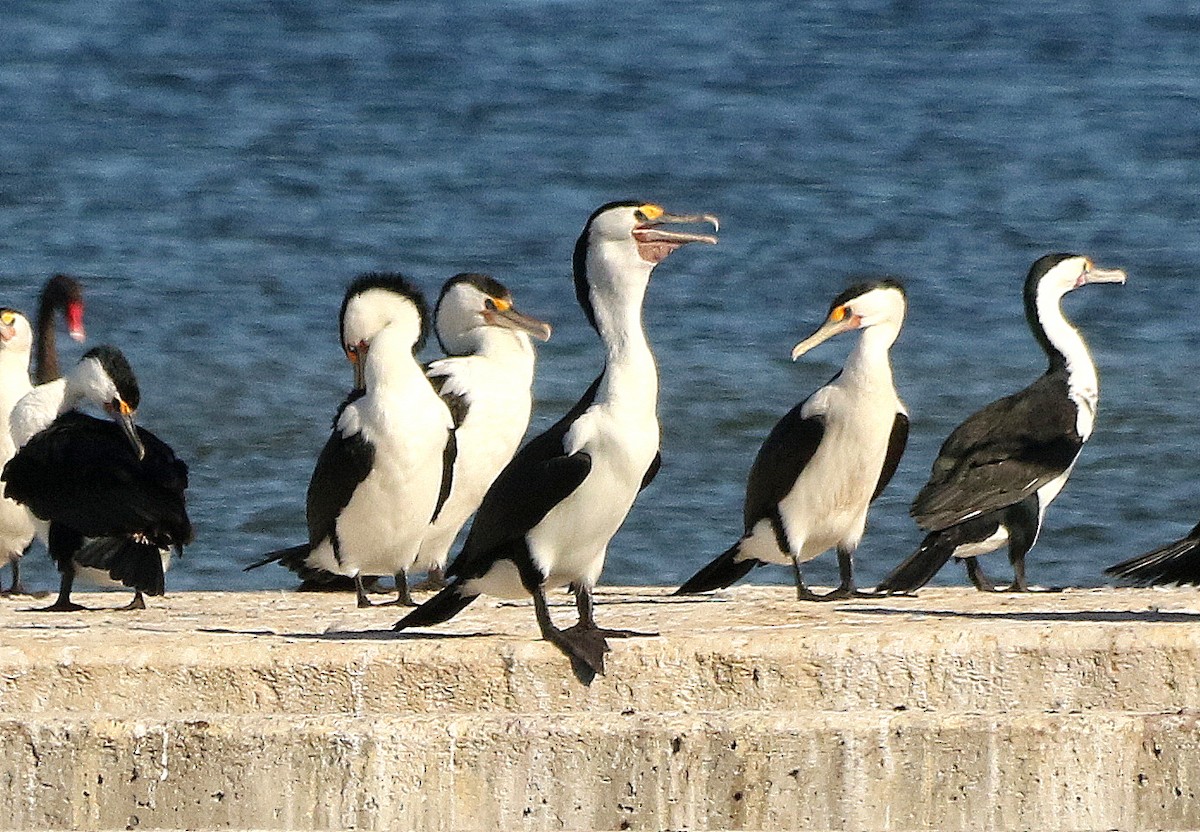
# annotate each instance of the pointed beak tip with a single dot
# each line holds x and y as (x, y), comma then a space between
(78, 335)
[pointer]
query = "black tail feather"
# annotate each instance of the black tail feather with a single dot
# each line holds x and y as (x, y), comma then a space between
(291, 557)
(442, 607)
(920, 567)
(136, 564)
(1175, 563)
(720, 573)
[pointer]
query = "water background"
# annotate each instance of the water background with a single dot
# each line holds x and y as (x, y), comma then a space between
(218, 172)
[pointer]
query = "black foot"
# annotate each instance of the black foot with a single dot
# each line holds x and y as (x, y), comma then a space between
(585, 648)
(886, 593)
(138, 603)
(839, 594)
(395, 602)
(61, 606)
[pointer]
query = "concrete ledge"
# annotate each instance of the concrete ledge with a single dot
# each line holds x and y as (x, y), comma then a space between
(953, 710)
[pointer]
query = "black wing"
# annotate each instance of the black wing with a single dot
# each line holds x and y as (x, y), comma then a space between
(539, 477)
(1001, 455)
(455, 402)
(786, 451)
(344, 462)
(652, 471)
(1175, 563)
(449, 455)
(82, 472)
(895, 449)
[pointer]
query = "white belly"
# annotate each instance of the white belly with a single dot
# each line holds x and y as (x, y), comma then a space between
(570, 543)
(380, 531)
(828, 504)
(486, 441)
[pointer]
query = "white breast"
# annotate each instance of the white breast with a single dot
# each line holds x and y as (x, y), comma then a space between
(380, 530)
(569, 545)
(487, 439)
(828, 504)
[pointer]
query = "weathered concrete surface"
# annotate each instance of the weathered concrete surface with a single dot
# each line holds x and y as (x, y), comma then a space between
(953, 710)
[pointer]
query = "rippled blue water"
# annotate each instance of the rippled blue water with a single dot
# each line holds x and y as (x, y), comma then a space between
(219, 171)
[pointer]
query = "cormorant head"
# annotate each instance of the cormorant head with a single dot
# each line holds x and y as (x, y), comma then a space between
(470, 302)
(629, 237)
(15, 332)
(376, 300)
(104, 377)
(871, 303)
(1053, 275)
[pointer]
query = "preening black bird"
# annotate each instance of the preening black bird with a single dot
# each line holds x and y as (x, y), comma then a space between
(824, 463)
(548, 518)
(100, 478)
(999, 470)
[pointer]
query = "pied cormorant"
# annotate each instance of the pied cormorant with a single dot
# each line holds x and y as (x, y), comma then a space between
(824, 462)
(999, 470)
(548, 518)
(386, 470)
(487, 382)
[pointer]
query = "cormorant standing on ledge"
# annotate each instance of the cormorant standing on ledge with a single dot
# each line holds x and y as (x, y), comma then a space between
(548, 518)
(999, 470)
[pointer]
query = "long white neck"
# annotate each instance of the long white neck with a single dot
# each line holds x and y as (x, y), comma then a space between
(870, 360)
(513, 351)
(14, 380)
(390, 363)
(618, 289)
(1070, 347)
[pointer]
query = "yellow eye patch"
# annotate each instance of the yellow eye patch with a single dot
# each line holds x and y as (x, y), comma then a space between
(651, 211)
(837, 314)
(501, 304)
(7, 318)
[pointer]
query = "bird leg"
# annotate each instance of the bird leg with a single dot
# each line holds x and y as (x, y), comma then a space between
(1020, 584)
(403, 596)
(587, 620)
(584, 647)
(63, 603)
(803, 593)
(18, 588)
(435, 580)
(138, 602)
(360, 593)
(845, 589)
(981, 581)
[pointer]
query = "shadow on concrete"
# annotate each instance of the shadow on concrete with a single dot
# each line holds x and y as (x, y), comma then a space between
(346, 635)
(1094, 616)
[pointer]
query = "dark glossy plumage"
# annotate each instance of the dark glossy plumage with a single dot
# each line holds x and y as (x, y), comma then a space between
(1001, 454)
(82, 472)
(344, 463)
(82, 476)
(1175, 563)
(784, 454)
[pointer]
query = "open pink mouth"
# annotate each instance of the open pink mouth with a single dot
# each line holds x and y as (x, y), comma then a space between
(655, 244)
